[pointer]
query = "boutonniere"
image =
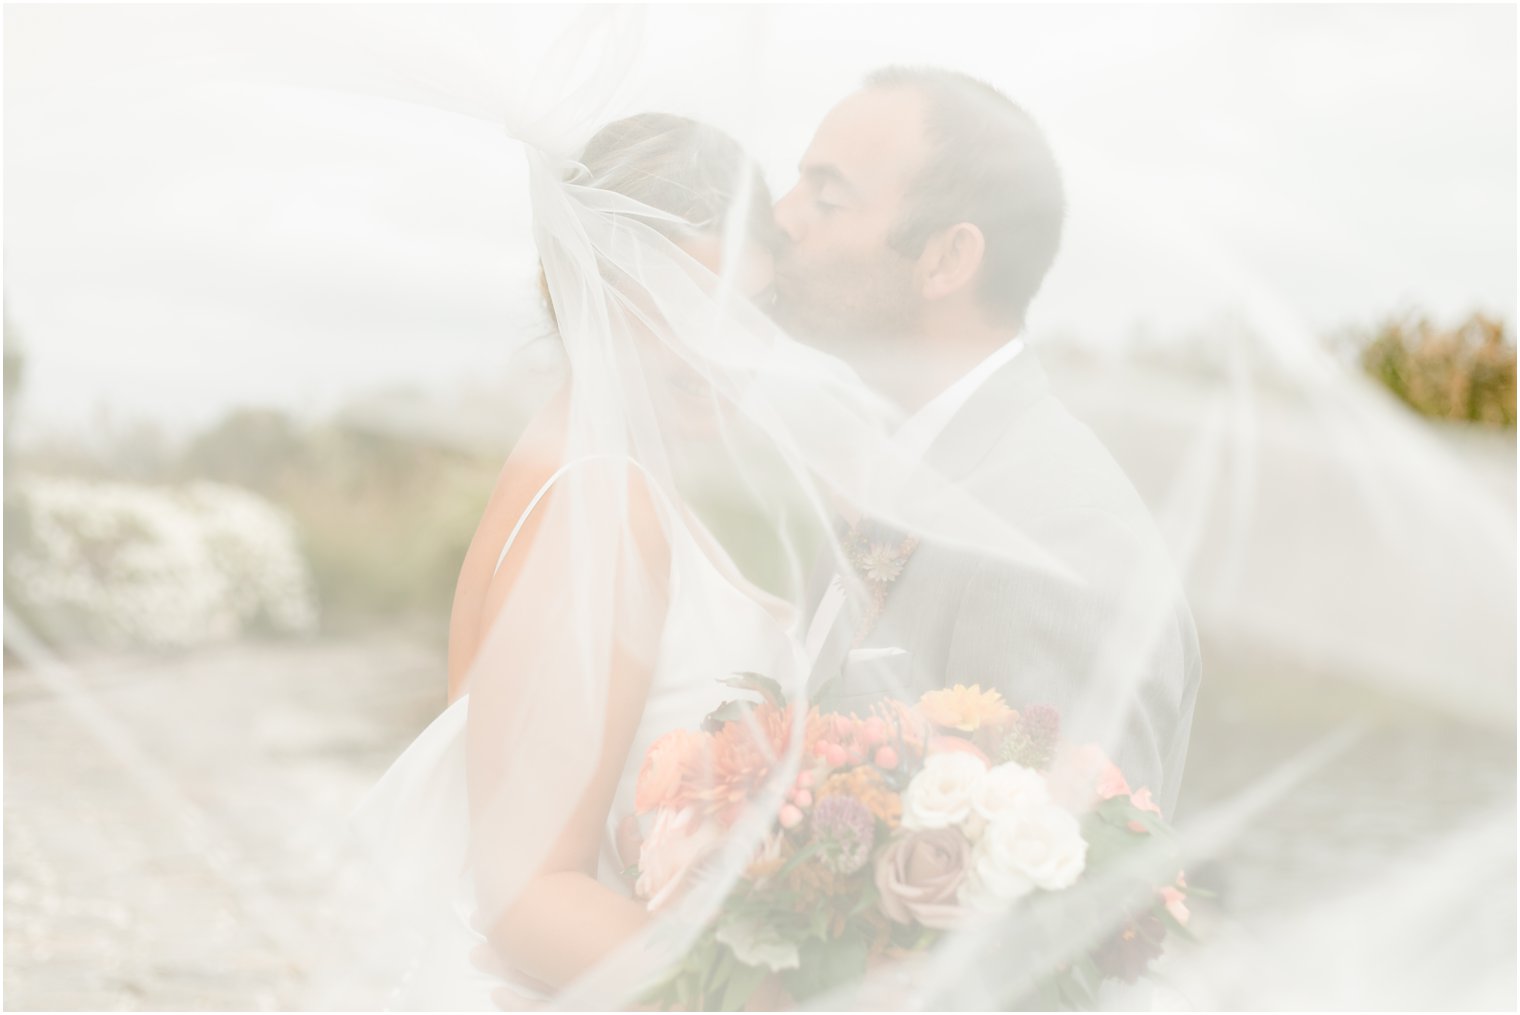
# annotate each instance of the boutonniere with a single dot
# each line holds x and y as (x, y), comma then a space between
(879, 563)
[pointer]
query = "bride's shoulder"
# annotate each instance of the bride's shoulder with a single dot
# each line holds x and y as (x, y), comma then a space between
(540, 481)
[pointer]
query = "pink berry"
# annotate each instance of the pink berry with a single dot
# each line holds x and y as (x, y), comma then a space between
(834, 755)
(805, 779)
(791, 817)
(886, 757)
(803, 798)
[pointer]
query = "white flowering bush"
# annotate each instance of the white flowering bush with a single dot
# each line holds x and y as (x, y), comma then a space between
(176, 566)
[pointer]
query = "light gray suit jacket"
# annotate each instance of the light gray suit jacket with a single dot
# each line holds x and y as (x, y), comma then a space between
(1111, 644)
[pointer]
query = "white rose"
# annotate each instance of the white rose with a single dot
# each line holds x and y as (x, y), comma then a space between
(940, 794)
(992, 889)
(1031, 847)
(1007, 788)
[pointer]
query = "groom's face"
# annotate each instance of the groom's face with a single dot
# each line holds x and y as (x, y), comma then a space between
(836, 277)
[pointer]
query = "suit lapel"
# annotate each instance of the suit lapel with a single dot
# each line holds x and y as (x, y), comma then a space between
(968, 438)
(972, 433)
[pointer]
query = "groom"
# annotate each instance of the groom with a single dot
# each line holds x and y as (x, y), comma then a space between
(928, 211)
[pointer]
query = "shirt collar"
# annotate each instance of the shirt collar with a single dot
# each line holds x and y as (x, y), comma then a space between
(920, 430)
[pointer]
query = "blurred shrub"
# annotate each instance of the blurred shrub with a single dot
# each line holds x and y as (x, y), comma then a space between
(383, 519)
(168, 566)
(1463, 373)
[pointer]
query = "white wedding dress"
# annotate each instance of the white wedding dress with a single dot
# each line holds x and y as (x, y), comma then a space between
(415, 821)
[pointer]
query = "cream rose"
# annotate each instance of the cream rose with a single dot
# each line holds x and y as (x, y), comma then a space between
(678, 840)
(1006, 788)
(1024, 849)
(664, 766)
(940, 794)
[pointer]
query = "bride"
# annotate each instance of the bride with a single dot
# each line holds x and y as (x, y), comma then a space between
(594, 610)
(576, 906)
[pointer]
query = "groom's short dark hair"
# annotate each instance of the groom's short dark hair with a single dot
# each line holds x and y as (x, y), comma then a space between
(989, 164)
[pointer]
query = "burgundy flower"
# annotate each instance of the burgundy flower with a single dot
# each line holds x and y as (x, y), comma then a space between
(1033, 740)
(1130, 950)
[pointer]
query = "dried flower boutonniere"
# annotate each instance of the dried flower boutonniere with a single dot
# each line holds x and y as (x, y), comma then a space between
(879, 563)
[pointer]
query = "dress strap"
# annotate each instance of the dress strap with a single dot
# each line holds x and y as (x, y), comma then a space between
(521, 519)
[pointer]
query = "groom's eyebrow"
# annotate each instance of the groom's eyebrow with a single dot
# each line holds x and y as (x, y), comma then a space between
(822, 173)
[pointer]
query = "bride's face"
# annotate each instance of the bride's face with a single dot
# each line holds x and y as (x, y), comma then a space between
(686, 398)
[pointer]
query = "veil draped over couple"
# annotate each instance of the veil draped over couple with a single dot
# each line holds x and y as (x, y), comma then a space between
(803, 453)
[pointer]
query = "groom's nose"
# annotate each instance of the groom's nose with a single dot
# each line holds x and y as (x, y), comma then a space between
(790, 214)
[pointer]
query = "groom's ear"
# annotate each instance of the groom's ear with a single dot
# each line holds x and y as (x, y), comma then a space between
(951, 261)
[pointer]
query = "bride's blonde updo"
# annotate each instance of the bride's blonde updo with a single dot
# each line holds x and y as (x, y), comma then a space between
(681, 167)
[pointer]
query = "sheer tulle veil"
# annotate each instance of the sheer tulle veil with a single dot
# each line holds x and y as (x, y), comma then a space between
(683, 415)
(678, 387)
(790, 437)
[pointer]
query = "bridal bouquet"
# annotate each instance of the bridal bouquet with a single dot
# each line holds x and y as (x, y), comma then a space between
(901, 826)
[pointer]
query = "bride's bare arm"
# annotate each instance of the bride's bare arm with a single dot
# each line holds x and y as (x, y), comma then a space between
(558, 920)
(532, 461)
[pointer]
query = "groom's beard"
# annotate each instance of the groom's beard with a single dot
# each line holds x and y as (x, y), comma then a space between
(864, 307)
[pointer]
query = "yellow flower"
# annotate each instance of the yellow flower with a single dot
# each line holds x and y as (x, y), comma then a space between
(964, 708)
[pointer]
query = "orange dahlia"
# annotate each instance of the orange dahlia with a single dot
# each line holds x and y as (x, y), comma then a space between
(739, 759)
(669, 766)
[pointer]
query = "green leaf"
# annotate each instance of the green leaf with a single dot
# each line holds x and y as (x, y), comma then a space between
(767, 687)
(1077, 995)
(1085, 967)
(830, 964)
(742, 984)
(1105, 841)
(818, 919)
(868, 898)
(688, 987)
(802, 854)
(729, 711)
(1046, 996)
(1174, 927)
(663, 991)
(718, 973)
(755, 942)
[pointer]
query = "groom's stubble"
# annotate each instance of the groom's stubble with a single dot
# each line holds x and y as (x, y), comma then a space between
(857, 304)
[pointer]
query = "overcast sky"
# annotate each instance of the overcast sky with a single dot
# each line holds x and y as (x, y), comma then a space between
(182, 235)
